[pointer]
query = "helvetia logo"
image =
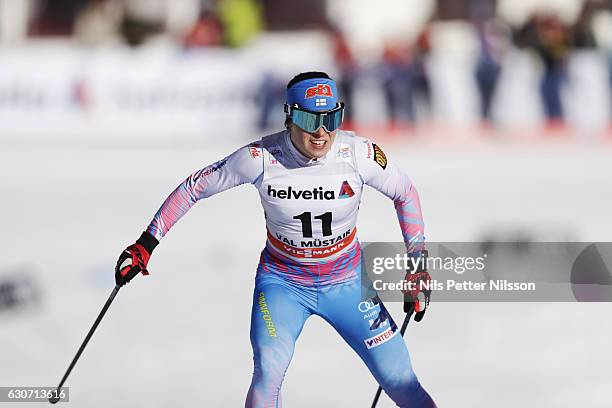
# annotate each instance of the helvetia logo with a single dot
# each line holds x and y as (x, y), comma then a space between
(346, 191)
(316, 193)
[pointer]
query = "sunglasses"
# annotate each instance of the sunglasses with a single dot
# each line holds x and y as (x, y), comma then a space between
(311, 121)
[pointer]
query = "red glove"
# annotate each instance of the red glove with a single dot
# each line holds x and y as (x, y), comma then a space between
(419, 292)
(418, 297)
(139, 254)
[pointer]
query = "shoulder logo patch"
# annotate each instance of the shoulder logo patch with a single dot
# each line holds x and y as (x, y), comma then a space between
(255, 150)
(379, 156)
(344, 152)
(275, 155)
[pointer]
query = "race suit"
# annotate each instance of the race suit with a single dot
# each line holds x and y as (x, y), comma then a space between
(311, 263)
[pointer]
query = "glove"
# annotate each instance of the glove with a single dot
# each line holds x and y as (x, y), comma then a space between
(139, 254)
(419, 280)
(417, 298)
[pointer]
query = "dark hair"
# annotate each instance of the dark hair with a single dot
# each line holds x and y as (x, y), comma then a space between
(307, 75)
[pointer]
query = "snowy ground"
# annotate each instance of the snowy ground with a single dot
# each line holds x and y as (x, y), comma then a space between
(180, 336)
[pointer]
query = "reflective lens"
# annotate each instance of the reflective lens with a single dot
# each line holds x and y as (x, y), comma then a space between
(312, 121)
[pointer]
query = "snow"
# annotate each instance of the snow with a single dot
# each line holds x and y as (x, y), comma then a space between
(180, 337)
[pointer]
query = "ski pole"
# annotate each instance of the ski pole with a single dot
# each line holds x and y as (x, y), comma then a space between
(409, 309)
(55, 398)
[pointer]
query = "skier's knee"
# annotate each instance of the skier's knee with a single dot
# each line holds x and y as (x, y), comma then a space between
(272, 378)
(270, 370)
(407, 392)
(404, 382)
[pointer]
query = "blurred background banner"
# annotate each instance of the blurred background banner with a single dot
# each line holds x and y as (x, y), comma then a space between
(180, 70)
(76, 93)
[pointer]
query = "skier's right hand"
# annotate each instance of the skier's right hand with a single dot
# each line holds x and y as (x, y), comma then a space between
(134, 259)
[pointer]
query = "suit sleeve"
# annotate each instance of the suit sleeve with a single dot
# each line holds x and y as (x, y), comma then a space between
(378, 172)
(245, 165)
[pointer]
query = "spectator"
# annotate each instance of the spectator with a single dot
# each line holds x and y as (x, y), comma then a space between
(492, 41)
(420, 88)
(207, 31)
(395, 73)
(242, 20)
(405, 78)
(583, 34)
(55, 18)
(551, 40)
(348, 72)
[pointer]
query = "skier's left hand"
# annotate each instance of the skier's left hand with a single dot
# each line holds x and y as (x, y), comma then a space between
(418, 297)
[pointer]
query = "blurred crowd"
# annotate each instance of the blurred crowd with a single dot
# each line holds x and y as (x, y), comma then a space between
(402, 69)
(194, 23)
(554, 41)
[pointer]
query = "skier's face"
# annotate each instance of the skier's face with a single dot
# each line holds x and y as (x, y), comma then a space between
(312, 144)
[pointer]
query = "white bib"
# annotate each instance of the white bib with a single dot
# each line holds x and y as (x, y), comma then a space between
(311, 210)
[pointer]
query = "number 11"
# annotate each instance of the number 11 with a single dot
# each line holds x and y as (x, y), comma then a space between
(306, 218)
